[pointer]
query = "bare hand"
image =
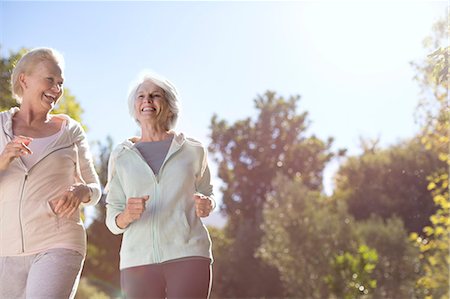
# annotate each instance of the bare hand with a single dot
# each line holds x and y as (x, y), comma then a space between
(67, 204)
(203, 205)
(134, 209)
(15, 148)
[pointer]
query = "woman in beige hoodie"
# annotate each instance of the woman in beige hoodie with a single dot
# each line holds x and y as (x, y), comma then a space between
(46, 173)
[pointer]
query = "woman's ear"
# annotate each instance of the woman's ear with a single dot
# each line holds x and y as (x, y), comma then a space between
(23, 80)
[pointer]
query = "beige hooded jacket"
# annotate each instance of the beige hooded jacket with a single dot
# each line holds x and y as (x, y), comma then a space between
(27, 222)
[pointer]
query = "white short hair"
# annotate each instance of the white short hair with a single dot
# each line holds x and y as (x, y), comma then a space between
(26, 64)
(171, 95)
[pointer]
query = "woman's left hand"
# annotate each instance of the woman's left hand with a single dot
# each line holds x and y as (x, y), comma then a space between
(203, 205)
(67, 204)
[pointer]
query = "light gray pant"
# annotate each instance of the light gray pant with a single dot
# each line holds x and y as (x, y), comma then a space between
(52, 274)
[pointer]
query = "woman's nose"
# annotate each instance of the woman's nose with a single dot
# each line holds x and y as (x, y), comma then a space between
(148, 99)
(56, 87)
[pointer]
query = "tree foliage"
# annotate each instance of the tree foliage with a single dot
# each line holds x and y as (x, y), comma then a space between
(398, 260)
(221, 245)
(250, 153)
(303, 233)
(88, 291)
(433, 115)
(322, 252)
(390, 182)
(6, 67)
(70, 106)
(101, 268)
(352, 273)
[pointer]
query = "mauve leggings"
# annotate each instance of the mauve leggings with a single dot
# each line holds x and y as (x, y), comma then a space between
(185, 278)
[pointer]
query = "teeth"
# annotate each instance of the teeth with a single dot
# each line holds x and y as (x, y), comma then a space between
(147, 109)
(50, 96)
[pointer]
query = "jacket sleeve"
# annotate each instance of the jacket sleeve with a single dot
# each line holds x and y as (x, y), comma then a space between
(115, 198)
(86, 169)
(203, 183)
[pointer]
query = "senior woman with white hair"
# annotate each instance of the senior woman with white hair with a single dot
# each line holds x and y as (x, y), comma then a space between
(158, 188)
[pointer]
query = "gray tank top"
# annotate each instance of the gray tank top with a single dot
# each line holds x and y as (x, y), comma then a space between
(154, 152)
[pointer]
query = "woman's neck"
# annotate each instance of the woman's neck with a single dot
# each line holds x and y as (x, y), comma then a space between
(30, 116)
(150, 133)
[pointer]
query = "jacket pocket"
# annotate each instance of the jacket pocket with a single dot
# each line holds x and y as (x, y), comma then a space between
(50, 209)
(54, 218)
(176, 228)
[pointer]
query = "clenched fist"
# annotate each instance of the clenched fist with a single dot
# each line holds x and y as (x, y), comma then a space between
(134, 209)
(14, 149)
(203, 205)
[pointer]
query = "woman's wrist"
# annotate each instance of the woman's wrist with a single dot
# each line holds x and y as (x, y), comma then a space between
(89, 194)
(83, 192)
(122, 221)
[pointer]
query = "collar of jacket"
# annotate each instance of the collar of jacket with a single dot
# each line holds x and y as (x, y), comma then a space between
(71, 126)
(178, 140)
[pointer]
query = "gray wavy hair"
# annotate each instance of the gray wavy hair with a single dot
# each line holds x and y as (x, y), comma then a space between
(171, 95)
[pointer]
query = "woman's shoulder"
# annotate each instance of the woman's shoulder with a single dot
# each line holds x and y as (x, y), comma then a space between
(74, 130)
(181, 138)
(62, 116)
(121, 147)
(7, 114)
(68, 120)
(195, 146)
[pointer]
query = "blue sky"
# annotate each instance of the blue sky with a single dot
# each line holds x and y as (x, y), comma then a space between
(349, 61)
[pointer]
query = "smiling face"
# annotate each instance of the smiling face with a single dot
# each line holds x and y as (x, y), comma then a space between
(150, 104)
(43, 85)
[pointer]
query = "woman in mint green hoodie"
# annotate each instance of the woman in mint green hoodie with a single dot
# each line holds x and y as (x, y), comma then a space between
(158, 188)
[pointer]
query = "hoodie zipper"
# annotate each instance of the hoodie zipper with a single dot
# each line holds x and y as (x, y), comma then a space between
(23, 190)
(154, 219)
(20, 212)
(27, 171)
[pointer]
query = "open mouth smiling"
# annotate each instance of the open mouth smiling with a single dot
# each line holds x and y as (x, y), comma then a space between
(148, 109)
(50, 97)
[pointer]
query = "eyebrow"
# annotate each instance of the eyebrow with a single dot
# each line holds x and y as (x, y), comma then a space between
(156, 91)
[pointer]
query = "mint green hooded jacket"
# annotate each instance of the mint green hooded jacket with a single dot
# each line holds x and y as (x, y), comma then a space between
(169, 227)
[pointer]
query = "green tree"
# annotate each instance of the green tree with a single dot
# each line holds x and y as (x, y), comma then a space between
(433, 115)
(303, 232)
(250, 153)
(87, 291)
(70, 106)
(102, 159)
(352, 277)
(221, 245)
(316, 246)
(101, 269)
(389, 182)
(398, 260)
(6, 66)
